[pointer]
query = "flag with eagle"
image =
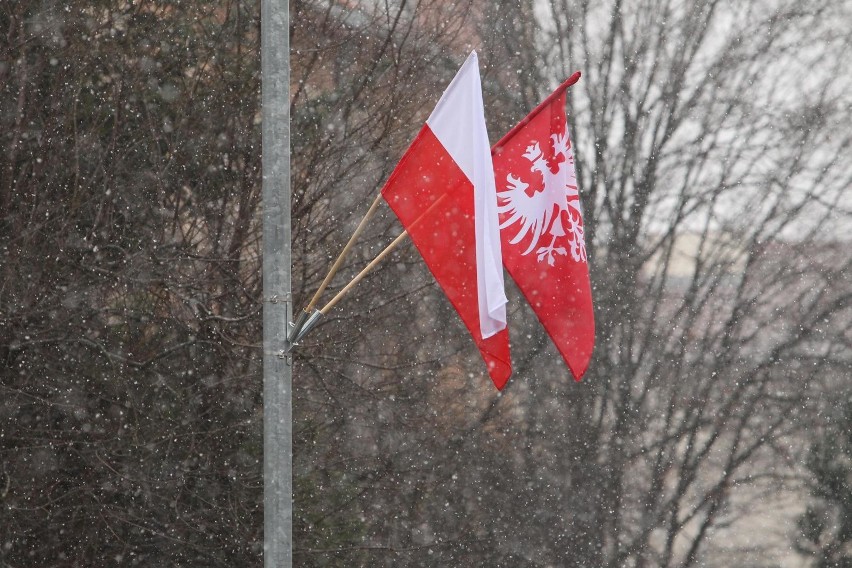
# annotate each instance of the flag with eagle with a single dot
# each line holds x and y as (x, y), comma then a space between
(541, 227)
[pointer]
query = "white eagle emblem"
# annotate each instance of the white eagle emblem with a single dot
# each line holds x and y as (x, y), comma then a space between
(551, 207)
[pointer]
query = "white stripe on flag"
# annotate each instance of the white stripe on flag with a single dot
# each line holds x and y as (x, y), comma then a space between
(458, 122)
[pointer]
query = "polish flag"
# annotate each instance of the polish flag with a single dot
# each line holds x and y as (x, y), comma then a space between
(444, 194)
(542, 231)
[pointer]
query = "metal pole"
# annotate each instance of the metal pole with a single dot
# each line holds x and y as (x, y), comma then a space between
(277, 369)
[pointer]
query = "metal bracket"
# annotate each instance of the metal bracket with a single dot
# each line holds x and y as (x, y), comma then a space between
(301, 328)
(285, 355)
(296, 327)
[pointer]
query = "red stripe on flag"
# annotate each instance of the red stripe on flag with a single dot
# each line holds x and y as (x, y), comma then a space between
(433, 199)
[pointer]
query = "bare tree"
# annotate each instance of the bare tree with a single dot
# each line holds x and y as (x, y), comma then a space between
(129, 283)
(715, 189)
(129, 184)
(129, 299)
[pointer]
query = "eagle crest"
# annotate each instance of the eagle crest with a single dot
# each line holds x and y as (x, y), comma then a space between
(548, 206)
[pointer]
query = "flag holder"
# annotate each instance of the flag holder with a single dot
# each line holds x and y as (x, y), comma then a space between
(308, 317)
(307, 321)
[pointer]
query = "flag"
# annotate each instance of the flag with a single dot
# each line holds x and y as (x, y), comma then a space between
(443, 192)
(541, 227)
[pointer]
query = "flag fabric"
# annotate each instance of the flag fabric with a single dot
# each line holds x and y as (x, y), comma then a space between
(541, 227)
(444, 194)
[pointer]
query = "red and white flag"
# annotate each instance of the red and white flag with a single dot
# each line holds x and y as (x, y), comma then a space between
(444, 194)
(541, 226)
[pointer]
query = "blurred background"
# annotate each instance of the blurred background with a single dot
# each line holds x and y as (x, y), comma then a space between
(713, 429)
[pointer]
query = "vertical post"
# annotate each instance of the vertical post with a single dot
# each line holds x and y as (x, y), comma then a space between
(277, 370)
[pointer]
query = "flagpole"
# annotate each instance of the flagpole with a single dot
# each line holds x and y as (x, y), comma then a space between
(343, 253)
(401, 237)
(277, 370)
(387, 250)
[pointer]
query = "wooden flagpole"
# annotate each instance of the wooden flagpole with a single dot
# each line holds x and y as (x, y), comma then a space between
(360, 276)
(343, 253)
(387, 250)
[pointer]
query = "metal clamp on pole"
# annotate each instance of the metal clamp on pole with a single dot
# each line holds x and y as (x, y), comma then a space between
(297, 331)
(295, 327)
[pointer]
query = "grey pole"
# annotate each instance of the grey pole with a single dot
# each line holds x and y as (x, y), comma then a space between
(277, 370)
